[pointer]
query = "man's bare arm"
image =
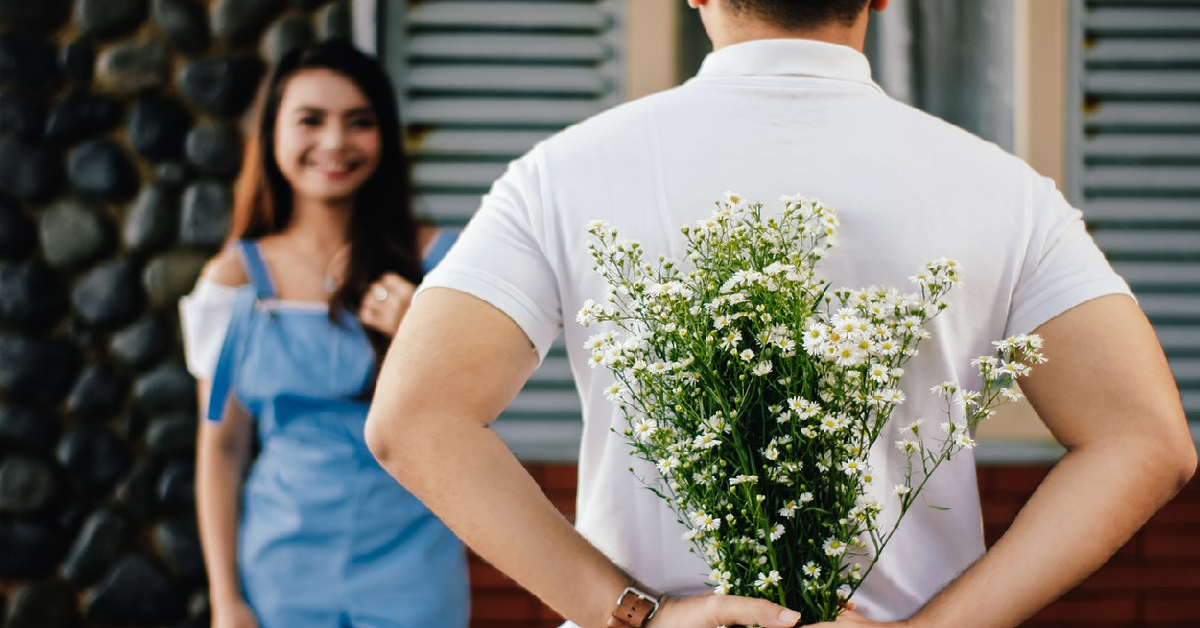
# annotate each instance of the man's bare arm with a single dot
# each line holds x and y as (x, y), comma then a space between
(1108, 396)
(455, 363)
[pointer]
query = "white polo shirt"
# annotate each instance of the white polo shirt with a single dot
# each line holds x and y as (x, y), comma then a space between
(767, 119)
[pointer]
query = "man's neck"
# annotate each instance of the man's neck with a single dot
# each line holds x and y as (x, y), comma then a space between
(852, 36)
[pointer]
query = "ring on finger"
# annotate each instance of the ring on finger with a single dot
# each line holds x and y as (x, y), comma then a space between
(380, 293)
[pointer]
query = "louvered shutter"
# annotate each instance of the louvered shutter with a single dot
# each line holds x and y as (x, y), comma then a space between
(480, 83)
(1134, 159)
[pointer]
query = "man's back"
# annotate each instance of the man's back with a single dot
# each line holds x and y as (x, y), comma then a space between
(767, 119)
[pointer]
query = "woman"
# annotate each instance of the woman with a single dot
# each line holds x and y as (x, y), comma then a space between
(284, 332)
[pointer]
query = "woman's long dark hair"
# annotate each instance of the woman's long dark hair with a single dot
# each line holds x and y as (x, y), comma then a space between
(382, 230)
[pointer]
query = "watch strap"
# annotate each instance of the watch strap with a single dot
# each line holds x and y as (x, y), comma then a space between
(634, 609)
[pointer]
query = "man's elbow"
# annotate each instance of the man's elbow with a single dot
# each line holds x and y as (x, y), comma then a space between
(1173, 450)
(1185, 462)
(379, 433)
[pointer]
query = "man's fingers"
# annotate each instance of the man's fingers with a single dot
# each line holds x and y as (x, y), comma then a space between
(709, 611)
(743, 611)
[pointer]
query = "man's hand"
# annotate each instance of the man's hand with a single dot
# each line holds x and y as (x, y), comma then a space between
(709, 611)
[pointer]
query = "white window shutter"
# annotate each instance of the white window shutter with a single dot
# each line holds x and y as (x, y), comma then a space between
(1134, 160)
(480, 82)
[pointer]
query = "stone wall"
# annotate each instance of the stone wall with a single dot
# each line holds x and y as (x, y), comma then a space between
(119, 140)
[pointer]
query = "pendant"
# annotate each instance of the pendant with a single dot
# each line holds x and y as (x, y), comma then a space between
(330, 285)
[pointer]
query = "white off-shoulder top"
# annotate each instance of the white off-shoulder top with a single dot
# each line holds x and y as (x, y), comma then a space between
(204, 317)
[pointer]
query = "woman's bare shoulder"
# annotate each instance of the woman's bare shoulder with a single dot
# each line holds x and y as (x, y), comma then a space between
(426, 234)
(226, 269)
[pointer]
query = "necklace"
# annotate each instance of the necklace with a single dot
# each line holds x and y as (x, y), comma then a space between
(329, 280)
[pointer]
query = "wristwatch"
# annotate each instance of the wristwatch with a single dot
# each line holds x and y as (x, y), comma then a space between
(634, 608)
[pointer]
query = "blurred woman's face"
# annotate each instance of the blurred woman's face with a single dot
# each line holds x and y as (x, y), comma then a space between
(326, 136)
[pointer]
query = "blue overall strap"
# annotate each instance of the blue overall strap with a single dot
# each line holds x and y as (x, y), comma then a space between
(229, 358)
(437, 249)
(264, 288)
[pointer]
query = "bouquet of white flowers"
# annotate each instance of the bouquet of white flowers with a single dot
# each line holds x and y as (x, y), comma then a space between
(757, 391)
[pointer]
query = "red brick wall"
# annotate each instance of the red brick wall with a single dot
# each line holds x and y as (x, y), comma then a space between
(1153, 582)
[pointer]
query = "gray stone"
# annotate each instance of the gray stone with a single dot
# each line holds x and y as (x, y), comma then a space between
(22, 115)
(172, 435)
(157, 127)
(78, 60)
(97, 547)
(215, 148)
(173, 175)
(136, 66)
(205, 215)
(224, 86)
(165, 388)
(72, 235)
(242, 21)
(18, 236)
(136, 592)
(100, 170)
(150, 222)
(285, 36)
(333, 22)
(82, 115)
(185, 23)
(37, 369)
(97, 393)
(45, 604)
(108, 296)
(172, 275)
(42, 15)
(24, 427)
(31, 296)
(29, 171)
(109, 18)
(27, 484)
(142, 342)
(28, 549)
(29, 62)
(179, 544)
(176, 490)
(94, 457)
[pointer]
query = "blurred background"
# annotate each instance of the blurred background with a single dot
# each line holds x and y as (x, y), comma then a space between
(120, 134)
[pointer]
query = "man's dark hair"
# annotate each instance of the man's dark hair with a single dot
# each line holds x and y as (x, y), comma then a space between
(801, 14)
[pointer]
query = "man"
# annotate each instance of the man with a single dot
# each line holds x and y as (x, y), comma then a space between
(784, 105)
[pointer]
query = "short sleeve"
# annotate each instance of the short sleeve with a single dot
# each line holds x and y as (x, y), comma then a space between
(500, 257)
(204, 317)
(1062, 267)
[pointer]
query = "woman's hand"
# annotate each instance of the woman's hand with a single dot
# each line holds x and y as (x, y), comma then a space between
(233, 614)
(385, 303)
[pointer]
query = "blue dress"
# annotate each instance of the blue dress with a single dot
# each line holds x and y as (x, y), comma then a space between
(327, 538)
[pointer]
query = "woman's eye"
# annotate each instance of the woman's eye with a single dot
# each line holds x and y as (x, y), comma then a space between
(310, 121)
(362, 123)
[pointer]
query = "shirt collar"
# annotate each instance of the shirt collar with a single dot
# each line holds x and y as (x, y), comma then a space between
(789, 57)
